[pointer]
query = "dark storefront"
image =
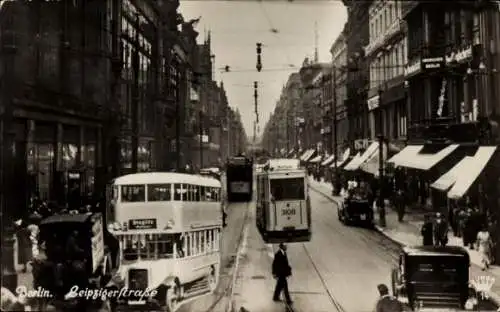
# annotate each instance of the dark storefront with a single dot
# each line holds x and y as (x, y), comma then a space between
(48, 155)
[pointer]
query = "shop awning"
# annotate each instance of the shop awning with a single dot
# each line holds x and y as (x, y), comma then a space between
(427, 161)
(474, 168)
(344, 158)
(356, 162)
(372, 164)
(449, 178)
(309, 155)
(407, 152)
(305, 154)
(316, 159)
(328, 160)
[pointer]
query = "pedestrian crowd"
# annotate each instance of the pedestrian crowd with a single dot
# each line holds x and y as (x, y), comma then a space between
(468, 223)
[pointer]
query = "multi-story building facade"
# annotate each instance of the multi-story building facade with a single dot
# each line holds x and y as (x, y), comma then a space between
(294, 112)
(453, 53)
(311, 75)
(386, 53)
(357, 37)
(81, 99)
(282, 133)
(336, 94)
(453, 95)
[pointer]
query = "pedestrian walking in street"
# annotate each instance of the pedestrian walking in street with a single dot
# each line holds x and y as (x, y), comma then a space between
(386, 302)
(281, 271)
(484, 244)
(400, 204)
(468, 229)
(440, 230)
(427, 231)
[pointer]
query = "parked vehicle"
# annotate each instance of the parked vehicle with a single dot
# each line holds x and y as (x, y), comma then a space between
(356, 208)
(77, 251)
(433, 278)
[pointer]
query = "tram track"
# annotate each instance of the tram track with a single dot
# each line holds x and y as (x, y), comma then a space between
(334, 301)
(227, 291)
(390, 250)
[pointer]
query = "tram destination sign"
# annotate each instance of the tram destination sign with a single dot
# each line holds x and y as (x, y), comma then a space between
(142, 224)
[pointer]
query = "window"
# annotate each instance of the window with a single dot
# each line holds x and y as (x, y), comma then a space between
(203, 246)
(196, 193)
(288, 188)
(151, 246)
(159, 192)
(180, 192)
(209, 194)
(133, 193)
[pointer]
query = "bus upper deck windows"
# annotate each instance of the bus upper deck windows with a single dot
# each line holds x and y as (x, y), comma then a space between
(133, 193)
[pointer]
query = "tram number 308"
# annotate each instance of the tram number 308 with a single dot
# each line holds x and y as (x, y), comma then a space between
(288, 212)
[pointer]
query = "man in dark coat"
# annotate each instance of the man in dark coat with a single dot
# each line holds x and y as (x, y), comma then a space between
(427, 232)
(386, 302)
(281, 271)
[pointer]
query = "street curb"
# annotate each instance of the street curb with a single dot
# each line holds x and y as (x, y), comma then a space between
(495, 298)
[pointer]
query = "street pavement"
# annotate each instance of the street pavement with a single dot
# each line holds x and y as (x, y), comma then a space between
(408, 233)
(337, 271)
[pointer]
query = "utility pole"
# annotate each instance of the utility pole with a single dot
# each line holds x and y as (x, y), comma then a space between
(135, 101)
(256, 96)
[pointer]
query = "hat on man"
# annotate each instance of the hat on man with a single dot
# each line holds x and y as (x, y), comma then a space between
(382, 289)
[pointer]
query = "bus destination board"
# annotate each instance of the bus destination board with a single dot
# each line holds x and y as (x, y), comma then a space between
(142, 224)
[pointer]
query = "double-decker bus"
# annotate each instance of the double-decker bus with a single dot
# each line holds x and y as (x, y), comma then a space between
(283, 210)
(169, 228)
(239, 179)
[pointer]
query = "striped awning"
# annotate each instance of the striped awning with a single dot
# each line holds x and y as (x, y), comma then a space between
(328, 160)
(316, 159)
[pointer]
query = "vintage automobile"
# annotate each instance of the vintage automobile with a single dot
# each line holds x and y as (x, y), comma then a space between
(77, 250)
(356, 208)
(429, 277)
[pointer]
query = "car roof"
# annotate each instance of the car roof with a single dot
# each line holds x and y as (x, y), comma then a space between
(435, 251)
(67, 218)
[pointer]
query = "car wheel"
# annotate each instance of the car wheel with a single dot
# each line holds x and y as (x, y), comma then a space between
(172, 297)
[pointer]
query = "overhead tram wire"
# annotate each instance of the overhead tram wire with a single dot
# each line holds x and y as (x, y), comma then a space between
(276, 32)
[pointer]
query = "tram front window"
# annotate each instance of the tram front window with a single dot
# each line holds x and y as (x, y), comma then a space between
(287, 189)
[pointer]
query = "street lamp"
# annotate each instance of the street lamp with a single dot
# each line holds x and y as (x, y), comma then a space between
(381, 204)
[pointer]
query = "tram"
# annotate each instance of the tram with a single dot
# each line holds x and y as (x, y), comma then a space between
(169, 228)
(283, 209)
(239, 179)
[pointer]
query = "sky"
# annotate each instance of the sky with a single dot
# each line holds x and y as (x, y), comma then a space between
(236, 27)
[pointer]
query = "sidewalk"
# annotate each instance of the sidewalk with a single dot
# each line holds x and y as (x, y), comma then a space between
(407, 233)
